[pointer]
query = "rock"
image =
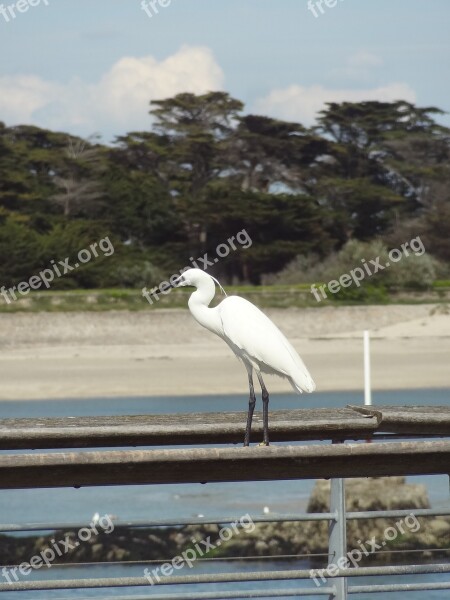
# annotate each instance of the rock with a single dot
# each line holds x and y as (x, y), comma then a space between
(97, 552)
(380, 493)
(310, 537)
(261, 548)
(376, 493)
(117, 554)
(440, 528)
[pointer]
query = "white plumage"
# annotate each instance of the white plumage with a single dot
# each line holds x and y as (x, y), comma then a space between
(251, 335)
(256, 339)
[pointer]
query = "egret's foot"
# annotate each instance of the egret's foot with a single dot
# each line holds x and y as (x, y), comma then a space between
(263, 444)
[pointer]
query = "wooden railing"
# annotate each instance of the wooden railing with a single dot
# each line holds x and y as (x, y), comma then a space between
(174, 465)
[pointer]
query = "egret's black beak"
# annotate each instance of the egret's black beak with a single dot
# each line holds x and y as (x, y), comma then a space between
(166, 286)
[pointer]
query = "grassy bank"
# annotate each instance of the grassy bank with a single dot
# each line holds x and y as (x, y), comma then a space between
(277, 296)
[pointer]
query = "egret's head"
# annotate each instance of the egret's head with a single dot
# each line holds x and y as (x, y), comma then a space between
(192, 277)
(184, 279)
(195, 278)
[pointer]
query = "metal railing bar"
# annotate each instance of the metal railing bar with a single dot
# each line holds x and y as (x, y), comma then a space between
(220, 578)
(447, 549)
(269, 518)
(283, 593)
(160, 561)
(398, 587)
(278, 593)
(386, 514)
(258, 557)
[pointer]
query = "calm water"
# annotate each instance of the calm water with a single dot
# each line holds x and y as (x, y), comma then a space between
(187, 500)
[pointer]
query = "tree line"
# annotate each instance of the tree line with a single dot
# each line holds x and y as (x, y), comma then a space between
(206, 170)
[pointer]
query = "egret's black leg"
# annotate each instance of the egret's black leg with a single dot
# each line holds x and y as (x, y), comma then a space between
(251, 408)
(265, 401)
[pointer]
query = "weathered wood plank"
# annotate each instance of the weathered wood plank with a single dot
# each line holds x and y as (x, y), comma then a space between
(182, 429)
(351, 423)
(123, 467)
(409, 419)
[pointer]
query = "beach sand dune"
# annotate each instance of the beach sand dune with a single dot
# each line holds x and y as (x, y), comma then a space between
(164, 352)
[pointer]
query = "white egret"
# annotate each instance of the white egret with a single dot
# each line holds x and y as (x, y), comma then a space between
(252, 336)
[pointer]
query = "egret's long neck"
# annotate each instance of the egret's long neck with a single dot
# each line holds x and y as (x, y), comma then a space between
(199, 307)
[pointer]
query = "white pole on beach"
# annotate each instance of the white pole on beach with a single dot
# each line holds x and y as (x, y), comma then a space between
(367, 390)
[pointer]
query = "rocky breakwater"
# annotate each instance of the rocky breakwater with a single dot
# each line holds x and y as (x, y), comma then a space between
(391, 538)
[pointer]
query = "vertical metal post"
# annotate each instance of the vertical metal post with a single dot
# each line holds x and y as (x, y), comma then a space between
(367, 384)
(337, 550)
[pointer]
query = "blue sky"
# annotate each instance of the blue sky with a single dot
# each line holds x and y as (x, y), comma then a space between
(87, 66)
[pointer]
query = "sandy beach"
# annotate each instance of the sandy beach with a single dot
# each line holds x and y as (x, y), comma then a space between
(165, 352)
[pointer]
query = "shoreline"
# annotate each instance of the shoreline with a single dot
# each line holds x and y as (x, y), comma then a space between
(166, 353)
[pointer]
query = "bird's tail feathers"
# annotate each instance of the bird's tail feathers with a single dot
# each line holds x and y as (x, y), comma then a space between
(303, 382)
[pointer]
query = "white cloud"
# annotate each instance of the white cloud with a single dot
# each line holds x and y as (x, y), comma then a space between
(118, 102)
(21, 95)
(298, 103)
